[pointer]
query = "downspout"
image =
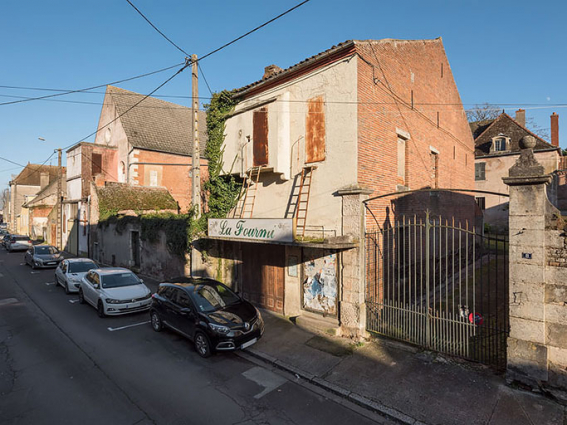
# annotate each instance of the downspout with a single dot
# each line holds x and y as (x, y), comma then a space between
(89, 226)
(128, 165)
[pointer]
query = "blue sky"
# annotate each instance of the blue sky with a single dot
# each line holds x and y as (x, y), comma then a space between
(501, 52)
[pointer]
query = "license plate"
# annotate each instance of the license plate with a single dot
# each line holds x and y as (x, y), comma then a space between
(249, 343)
(133, 305)
(50, 264)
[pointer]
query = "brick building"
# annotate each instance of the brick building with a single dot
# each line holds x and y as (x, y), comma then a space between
(39, 208)
(497, 148)
(364, 118)
(140, 141)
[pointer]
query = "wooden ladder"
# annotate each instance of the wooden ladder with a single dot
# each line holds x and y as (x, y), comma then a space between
(303, 199)
(247, 197)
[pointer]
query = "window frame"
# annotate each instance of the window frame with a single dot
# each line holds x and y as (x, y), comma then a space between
(477, 174)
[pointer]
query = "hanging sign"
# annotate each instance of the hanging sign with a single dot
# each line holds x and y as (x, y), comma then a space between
(262, 229)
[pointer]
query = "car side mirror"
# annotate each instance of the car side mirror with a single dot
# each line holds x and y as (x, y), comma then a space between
(185, 310)
(142, 280)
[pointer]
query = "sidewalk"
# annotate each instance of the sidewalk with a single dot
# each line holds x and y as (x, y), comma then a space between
(400, 382)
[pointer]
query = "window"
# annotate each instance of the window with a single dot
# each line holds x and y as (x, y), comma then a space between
(500, 144)
(402, 158)
(260, 137)
(479, 171)
(96, 164)
(481, 202)
(435, 168)
(315, 130)
(153, 178)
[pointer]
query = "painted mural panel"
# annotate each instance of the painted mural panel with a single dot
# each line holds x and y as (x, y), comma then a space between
(320, 284)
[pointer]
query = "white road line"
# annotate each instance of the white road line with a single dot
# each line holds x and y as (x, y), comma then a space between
(129, 326)
(35, 272)
(22, 264)
(8, 301)
(73, 301)
(50, 283)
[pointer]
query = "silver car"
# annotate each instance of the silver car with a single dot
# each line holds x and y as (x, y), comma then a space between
(113, 291)
(18, 243)
(71, 271)
(43, 256)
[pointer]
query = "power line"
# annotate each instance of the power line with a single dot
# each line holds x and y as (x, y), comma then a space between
(93, 87)
(156, 28)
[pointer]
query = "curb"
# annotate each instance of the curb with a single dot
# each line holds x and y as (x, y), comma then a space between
(353, 397)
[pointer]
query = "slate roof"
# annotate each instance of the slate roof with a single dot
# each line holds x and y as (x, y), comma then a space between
(306, 62)
(508, 127)
(31, 174)
(157, 125)
(122, 196)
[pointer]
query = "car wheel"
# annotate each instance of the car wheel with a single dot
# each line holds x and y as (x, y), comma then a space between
(157, 324)
(81, 297)
(33, 265)
(66, 287)
(100, 309)
(202, 345)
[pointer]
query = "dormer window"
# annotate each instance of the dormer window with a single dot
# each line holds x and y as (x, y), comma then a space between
(500, 143)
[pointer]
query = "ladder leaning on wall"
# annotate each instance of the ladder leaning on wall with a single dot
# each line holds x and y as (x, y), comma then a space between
(303, 199)
(247, 197)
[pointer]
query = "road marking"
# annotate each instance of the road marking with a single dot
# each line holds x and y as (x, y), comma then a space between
(129, 326)
(22, 264)
(269, 380)
(35, 272)
(73, 301)
(8, 301)
(50, 283)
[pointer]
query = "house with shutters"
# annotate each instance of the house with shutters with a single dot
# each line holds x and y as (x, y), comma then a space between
(141, 141)
(311, 143)
(497, 148)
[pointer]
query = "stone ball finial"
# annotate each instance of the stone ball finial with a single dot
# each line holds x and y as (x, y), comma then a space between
(527, 142)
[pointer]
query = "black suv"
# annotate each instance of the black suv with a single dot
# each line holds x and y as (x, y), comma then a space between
(208, 313)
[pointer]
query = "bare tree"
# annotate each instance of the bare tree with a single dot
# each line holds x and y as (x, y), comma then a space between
(536, 129)
(483, 112)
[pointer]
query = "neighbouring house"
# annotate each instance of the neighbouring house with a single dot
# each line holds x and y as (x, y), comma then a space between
(39, 209)
(497, 148)
(25, 186)
(311, 143)
(130, 233)
(141, 141)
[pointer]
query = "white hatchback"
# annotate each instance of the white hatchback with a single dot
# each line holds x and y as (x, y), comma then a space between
(70, 272)
(113, 291)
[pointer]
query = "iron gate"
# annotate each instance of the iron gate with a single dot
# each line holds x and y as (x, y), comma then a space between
(441, 286)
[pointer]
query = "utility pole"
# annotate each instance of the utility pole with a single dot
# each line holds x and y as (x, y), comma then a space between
(196, 179)
(59, 226)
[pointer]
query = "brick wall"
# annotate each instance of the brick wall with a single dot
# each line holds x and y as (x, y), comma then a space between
(175, 178)
(390, 74)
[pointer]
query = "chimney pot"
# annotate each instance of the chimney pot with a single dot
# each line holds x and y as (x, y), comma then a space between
(555, 129)
(271, 70)
(521, 117)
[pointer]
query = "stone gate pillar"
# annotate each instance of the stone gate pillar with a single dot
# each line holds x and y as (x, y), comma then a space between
(530, 213)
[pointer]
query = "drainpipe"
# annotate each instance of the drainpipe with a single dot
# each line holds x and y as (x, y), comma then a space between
(89, 226)
(128, 165)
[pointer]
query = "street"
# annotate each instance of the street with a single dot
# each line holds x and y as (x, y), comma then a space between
(60, 363)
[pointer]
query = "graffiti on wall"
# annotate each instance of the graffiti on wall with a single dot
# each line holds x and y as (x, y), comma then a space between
(320, 284)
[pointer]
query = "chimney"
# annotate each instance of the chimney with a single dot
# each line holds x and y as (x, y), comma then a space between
(521, 117)
(271, 70)
(43, 180)
(555, 130)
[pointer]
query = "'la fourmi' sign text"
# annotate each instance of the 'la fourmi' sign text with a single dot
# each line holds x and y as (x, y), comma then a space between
(264, 229)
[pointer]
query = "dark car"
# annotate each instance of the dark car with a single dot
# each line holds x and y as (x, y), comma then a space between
(208, 313)
(5, 239)
(43, 256)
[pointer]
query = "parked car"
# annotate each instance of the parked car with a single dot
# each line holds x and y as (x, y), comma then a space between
(114, 291)
(43, 256)
(206, 312)
(18, 243)
(5, 239)
(69, 273)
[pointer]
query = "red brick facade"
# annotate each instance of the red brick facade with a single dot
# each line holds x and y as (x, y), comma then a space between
(151, 170)
(406, 90)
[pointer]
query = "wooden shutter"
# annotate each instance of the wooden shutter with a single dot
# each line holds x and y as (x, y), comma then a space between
(260, 137)
(315, 130)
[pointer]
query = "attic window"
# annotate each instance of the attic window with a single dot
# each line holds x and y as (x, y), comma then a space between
(500, 143)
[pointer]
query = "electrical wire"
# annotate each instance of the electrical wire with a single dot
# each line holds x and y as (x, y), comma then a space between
(156, 28)
(93, 87)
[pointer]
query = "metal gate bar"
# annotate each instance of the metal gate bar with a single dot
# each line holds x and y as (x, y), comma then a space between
(439, 285)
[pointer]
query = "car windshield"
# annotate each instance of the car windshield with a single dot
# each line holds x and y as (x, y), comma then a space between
(81, 267)
(119, 279)
(213, 297)
(45, 250)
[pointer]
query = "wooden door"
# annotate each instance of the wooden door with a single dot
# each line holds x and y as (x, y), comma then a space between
(263, 275)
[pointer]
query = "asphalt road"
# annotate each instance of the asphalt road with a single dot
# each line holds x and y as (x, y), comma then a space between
(61, 364)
